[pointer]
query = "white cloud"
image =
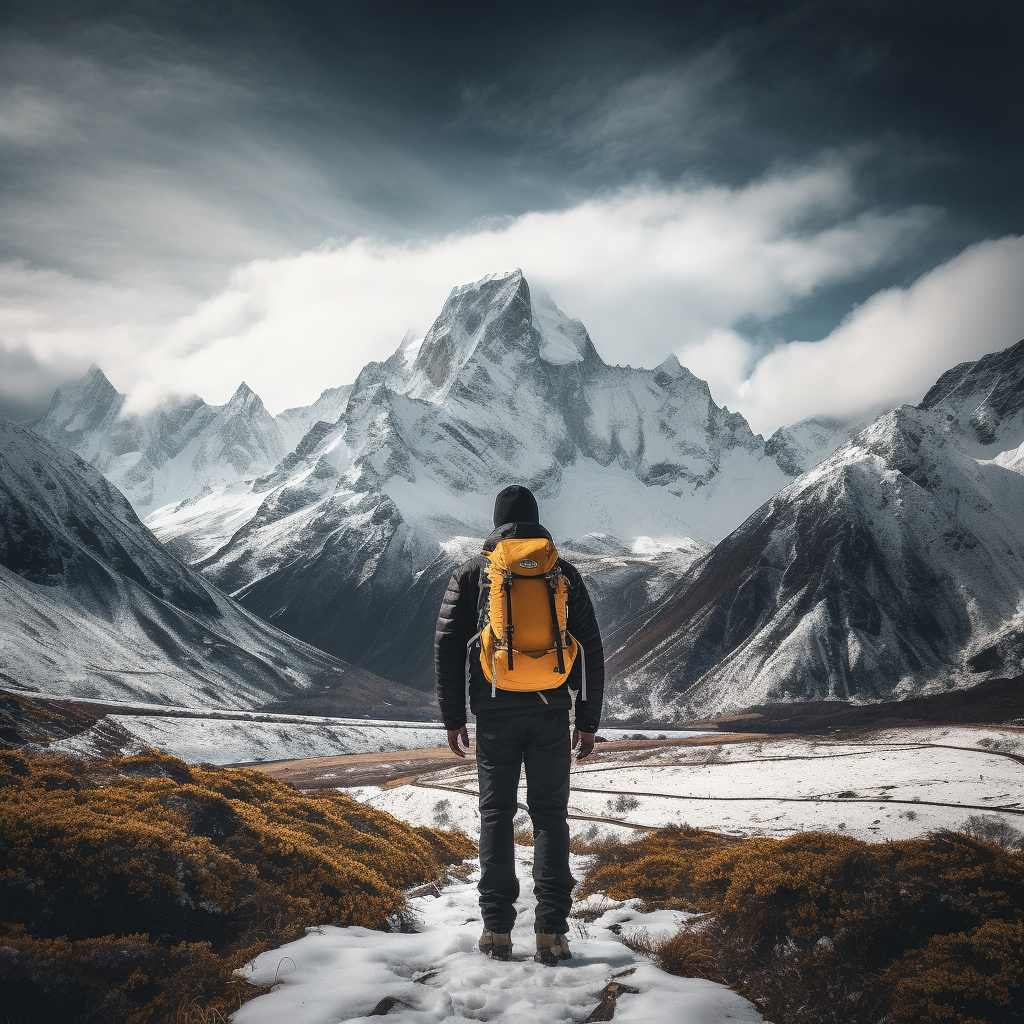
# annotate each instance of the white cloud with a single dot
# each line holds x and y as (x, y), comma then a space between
(649, 270)
(892, 348)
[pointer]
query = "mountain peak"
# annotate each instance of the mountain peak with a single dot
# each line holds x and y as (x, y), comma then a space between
(503, 277)
(81, 405)
(93, 377)
(244, 398)
(493, 315)
(671, 366)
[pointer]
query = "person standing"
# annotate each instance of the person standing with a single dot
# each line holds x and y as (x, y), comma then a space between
(517, 630)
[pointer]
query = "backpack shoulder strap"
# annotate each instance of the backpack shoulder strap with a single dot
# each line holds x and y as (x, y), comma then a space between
(554, 578)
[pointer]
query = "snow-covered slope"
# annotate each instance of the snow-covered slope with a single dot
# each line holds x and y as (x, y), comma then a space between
(349, 541)
(91, 605)
(803, 445)
(177, 451)
(295, 423)
(895, 567)
(982, 403)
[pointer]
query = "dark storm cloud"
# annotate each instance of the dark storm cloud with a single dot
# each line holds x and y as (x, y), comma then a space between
(159, 144)
(925, 96)
(515, 107)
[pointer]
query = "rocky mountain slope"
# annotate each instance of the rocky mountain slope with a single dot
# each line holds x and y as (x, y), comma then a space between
(894, 568)
(92, 605)
(349, 541)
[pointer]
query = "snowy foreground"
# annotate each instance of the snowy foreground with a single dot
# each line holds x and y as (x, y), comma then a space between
(891, 785)
(437, 974)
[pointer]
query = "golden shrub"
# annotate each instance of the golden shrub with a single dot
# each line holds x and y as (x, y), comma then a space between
(139, 882)
(974, 977)
(822, 927)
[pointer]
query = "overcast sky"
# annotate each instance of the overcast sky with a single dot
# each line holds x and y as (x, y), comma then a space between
(815, 205)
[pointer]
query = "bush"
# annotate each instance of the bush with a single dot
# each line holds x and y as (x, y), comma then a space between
(129, 886)
(826, 928)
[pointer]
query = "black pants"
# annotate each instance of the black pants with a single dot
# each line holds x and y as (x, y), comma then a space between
(504, 743)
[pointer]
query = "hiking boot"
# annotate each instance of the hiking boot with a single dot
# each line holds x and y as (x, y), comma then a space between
(551, 948)
(496, 945)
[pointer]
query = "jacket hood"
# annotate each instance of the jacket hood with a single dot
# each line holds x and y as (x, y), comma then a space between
(515, 504)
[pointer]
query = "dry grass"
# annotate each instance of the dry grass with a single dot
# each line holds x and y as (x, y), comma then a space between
(688, 953)
(826, 929)
(132, 888)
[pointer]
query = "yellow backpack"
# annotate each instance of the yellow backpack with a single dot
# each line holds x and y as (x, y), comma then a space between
(524, 643)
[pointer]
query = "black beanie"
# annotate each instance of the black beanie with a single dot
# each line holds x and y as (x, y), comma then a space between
(515, 504)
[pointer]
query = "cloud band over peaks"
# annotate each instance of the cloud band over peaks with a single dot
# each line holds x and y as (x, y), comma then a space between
(650, 270)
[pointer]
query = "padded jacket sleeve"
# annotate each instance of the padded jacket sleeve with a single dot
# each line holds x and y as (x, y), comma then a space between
(583, 625)
(456, 625)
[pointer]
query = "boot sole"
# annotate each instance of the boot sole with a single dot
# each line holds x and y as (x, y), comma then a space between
(551, 960)
(495, 955)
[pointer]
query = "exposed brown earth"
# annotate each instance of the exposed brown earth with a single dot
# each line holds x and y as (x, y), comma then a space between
(37, 720)
(345, 770)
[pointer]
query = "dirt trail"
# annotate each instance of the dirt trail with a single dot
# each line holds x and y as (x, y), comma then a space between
(824, 799)
(344, 770)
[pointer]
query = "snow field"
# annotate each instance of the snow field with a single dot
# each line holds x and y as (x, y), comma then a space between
(241, 741)
(342, 974)
(872, 791)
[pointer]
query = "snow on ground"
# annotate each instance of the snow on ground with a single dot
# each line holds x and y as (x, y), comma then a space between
(895, 786)
(254, 738)
(437, 974)
(995, 738)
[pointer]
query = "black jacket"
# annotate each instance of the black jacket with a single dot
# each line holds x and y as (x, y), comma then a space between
(457, 624)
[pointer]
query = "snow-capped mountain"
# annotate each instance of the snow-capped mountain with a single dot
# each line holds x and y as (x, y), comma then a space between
(894, 568)
(179, 450)
(92, 605)
(349, 541)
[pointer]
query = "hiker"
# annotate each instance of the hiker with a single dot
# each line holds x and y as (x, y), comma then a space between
(496, 638)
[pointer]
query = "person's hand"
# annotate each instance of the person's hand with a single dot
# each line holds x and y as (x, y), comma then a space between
(454, 735)
(585, 742)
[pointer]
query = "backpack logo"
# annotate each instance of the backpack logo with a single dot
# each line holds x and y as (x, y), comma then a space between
(527, 563)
